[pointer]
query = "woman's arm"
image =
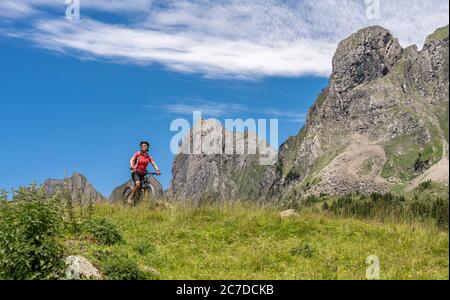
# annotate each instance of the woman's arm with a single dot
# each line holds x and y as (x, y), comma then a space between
(133, 162)
(156, 167)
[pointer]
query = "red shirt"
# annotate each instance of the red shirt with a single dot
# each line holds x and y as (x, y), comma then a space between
(141, 162)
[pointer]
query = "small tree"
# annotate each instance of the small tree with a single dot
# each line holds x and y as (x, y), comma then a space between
(30, 230)
(421, 164)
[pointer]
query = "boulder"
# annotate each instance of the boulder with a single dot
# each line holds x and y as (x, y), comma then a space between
(288, 213)
(79, 267)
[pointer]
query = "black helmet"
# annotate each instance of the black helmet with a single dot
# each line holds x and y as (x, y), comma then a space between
(145, 143)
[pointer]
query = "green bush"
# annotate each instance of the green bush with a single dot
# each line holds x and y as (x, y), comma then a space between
(144, 248)
(104, 231)
(123, 268)
(292, 175)
(102, 254)
(426, 185)
(390, 207)
(30, 231)
(440, 211)
(305, 249)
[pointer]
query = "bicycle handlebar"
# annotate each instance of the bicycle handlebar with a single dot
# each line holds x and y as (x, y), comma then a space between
(149, 173)
(154, 173)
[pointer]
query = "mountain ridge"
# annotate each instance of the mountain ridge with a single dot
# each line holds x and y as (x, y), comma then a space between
(79, 188)
(374, 97)
(376, 128)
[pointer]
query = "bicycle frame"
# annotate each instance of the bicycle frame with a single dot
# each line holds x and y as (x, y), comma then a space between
(146, 181)
(146, 185)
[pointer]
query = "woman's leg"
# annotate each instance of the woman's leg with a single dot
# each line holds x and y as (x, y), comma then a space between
(137, 185)
(136, 188)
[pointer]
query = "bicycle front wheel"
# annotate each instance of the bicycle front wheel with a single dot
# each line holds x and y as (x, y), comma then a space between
(150, 193)
(126, 194)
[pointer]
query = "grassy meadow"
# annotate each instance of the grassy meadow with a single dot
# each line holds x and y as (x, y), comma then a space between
(325, 239)
(246, 242)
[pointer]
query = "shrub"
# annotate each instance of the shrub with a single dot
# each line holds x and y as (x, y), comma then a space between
(102, 254)
(426, 185)
(390, 207)
(291, 203)
(292, 200)
(30, 231)
(440, 212)
(311, 201)
(305, 249)
(292, 175)
(123, 268)
(143, 248)
(421, 164)
(104, 231)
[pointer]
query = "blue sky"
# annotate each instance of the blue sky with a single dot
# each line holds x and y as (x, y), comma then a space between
(78, 95)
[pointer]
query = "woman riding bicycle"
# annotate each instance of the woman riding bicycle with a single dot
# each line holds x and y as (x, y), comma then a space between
(138, 164)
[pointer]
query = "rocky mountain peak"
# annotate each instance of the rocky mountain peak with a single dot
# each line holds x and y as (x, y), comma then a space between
(366, 55)
(78, 186)
(215, 163)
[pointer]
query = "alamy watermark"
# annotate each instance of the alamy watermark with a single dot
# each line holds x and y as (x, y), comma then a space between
(373, 9)
(237, 137)
(73, 9)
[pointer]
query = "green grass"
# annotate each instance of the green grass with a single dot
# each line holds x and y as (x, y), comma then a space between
(245, 179)
(439, 34)
(286, 165)
(310, 182)
(324, 160)
(435, 189)
(239, 242)
(402, 153)
(322, 97)
(444, 121)
(398, 189)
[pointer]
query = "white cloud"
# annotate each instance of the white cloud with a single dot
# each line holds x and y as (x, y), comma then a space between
(272, 21)
(233, 38)
(213, 109)
(117, 6)
(182, 51)
(14, 10)
(30, 9)
(289, 116)
(208, 108)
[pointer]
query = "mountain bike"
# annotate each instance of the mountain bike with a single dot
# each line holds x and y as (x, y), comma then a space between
(146, 191)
